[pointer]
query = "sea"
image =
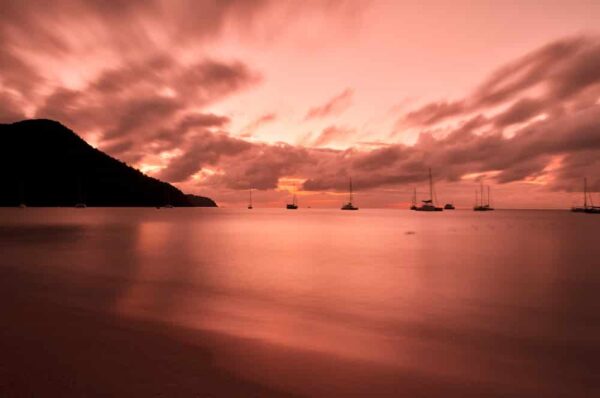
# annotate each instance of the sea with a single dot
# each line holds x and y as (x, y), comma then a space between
(331, 303)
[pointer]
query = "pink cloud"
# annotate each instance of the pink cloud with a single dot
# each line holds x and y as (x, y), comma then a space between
(335, 105)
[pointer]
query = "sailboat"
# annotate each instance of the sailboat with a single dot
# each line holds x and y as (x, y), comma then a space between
(349, 205)
(586, 208)
(449, 206)
(482, 206)
(293, 205)
(413, 205)
(250, 200)
(428, 204)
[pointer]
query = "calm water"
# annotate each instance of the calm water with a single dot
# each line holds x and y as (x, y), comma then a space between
(374, 302)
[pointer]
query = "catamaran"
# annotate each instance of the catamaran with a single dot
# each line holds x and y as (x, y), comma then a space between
(479, 204)
(428, 204)
(586, 208)
(349, 205)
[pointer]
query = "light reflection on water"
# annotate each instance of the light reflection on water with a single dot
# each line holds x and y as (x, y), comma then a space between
(509, 298)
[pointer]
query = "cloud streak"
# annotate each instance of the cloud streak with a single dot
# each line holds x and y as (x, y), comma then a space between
(333, 106)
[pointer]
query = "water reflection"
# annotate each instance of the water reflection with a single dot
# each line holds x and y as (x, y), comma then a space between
(505, 301)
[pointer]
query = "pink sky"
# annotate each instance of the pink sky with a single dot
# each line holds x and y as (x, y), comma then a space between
(220, 97)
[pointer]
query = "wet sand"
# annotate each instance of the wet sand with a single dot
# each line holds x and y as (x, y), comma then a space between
(184, 304)
(51, 348)
(54, 343)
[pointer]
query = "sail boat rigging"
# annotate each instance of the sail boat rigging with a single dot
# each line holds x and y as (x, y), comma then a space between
(481, 206)
(588, 205)
(428, 204)
(349, 205)
(250, 199)
(293, 205)
(413, 205)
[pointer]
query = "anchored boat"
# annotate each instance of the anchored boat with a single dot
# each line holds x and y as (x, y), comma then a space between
(428, 204)
(588, 205)
(479, 201)
(293, 205)
(349, 205)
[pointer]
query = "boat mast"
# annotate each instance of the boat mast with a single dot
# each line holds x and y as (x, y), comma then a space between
(585, 193)
(481, 196)
(488, 201)
(250, 201)
(430, 186)
(350, 199)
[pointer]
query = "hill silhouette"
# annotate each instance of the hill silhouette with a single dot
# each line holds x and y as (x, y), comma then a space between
(43, 163)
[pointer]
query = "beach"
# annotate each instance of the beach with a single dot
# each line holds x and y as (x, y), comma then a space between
(118, 302)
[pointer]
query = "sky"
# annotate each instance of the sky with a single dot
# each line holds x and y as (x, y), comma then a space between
(282, 97)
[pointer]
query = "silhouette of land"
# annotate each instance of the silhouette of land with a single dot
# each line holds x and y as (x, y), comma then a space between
(43, 163)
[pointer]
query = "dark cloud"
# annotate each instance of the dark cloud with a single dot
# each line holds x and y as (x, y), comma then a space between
(522, 110)
(546, 80)
(334, 106)
(205, 149)
(526, 154)
(148, 104)
(202, 120)
(261, 166)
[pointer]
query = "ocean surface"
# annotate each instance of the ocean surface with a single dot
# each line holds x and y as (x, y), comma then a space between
(333, 303)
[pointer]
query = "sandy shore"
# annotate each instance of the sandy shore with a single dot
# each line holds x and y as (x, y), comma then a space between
(65, 331)
(58, 340)
(51, 348)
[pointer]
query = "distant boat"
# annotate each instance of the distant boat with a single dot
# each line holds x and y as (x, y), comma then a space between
(169, 206)
(250, 200)
(586, 208)
(349, 205)
(80, 205)
(479, 202)
(293, 205)
(449, 206)
(428, 204)
(413, 205)
(22, 205)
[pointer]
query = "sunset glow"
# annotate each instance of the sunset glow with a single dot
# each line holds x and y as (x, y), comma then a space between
(221, 97)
